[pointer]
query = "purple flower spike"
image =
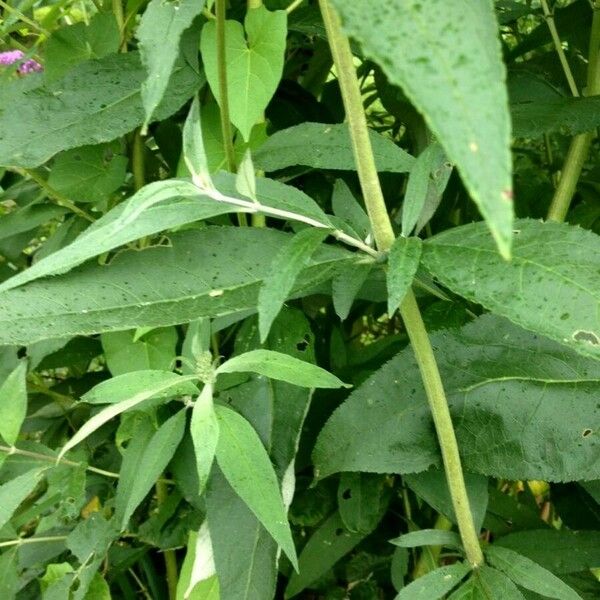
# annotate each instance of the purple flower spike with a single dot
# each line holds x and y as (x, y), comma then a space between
(12, 56)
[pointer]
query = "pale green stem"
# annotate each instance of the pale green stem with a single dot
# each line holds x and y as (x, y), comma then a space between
(117, 8)
(293, 6)
(137, 160)
(254, 4)
(559, 49)
(580, 144)
(384, 237)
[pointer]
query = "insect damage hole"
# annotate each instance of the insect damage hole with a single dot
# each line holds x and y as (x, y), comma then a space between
(586, 336)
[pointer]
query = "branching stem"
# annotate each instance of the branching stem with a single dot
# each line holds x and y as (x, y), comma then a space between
(384, 236)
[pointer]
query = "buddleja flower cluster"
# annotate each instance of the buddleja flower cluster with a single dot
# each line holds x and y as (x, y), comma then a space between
(16, 56)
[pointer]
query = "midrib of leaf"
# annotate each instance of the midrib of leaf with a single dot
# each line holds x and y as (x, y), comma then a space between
(522, 378)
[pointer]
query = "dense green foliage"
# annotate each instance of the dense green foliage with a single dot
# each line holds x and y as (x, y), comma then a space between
(251, 349)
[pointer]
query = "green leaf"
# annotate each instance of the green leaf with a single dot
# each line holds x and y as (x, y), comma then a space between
(14, 491)
(159, 32)
(248, 469)
(347, 283)
(487, 368)
(194, 153)
(154, 351)
(425, 47)
(69, 46)
(345, 206)
(420, 184)
(13, 403)
(330, 542)
(432, 486)
(282, 367)
(435, 584)
(284, 270)
(330, 148)
(157, 206)
(9, 574)
(213, 272)
(363, 499)
(145, 460)
(97, 101)
(245, 554)
(28, 218)
(428, 537)
(559, 551)
(550, 286)
(89, 173)
(122, 387)
(567, 116)
(403, 262)
(529, 574)
(204, 429)
(134, 395)
(254, 61)
(493, 585)
(197, 579)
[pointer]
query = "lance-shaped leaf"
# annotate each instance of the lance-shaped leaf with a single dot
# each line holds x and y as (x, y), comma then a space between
(403, 262)
(204, 430)
(448, 61)
(13, 492)
(283, 367)
(159, 32)
(144, 461)
(285, 268)
(169, 382)
(248, 469)
(13, 403)
(213, 272)
(529, 574)
(194, 153)
(551, 286)
(254, 62)
(428, 537)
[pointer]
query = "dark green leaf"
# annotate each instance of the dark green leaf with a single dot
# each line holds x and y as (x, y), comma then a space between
(550, 286)
(287, 264)
(213, 272)
(330, 148)
(403, 262)
(529, 574)
(425, 47)
(97, 101)
(326, 546)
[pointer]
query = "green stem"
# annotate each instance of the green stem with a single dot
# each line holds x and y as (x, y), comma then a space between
(580, 144)
(170, 556)
(117, 8)
(559, 49)
(223, 93)
(254, 4)
(137, 160)
(293, 6)
(384, 237)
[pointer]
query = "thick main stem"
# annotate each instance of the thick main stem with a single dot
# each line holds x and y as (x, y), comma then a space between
(223, 92)
(580, 144)
(384, 237)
